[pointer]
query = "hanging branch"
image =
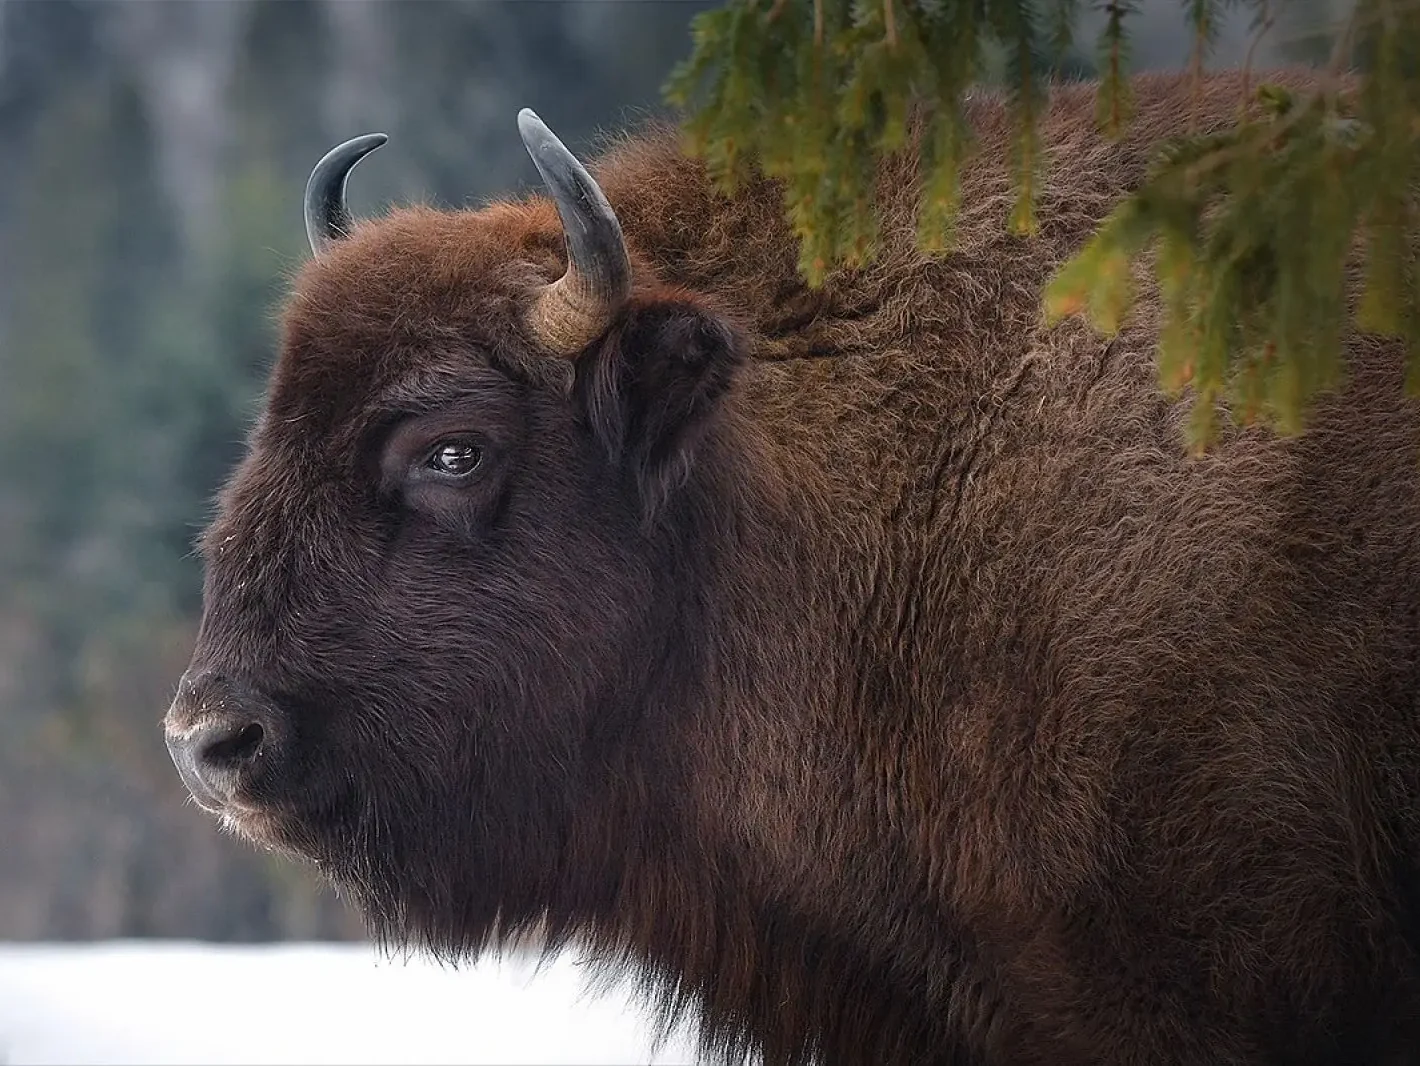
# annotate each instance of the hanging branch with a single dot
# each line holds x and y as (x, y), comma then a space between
(1247, 230)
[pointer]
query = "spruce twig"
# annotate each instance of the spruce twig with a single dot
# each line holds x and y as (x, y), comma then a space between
(1251, 227)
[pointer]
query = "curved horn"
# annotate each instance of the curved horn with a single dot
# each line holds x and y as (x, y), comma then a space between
(574, 310)
(327, 218)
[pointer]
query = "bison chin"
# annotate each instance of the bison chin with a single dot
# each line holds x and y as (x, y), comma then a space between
(423, 865)
(426, 902)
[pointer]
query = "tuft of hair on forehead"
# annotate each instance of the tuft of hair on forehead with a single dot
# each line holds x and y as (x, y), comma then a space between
(423, 260)
(404, 290)
(420, 274)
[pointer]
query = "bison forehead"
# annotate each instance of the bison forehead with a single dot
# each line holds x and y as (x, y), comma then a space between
(419, 294)
(422, 256)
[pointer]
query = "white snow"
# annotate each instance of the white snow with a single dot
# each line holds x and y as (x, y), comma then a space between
(192, 1003)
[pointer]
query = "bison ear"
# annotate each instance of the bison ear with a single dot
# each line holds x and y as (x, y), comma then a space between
(651, 388)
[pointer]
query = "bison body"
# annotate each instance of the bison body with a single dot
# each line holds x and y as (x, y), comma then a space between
(870, 668)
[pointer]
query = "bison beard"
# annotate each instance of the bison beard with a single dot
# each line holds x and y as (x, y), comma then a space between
(868, 668)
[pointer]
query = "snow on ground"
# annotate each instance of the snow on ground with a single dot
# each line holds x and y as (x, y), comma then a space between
(181, 1002)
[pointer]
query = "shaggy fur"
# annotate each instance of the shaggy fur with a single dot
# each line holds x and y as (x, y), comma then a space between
(869, 667)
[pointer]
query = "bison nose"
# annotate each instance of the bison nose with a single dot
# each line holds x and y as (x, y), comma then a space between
(217, 738)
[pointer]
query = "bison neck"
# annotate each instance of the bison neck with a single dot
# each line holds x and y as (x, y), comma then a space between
(742, 840)
(776, 841)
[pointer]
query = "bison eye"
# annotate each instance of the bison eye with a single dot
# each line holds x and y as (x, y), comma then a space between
(455, 458)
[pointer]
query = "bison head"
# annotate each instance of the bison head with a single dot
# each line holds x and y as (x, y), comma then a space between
(462, 549)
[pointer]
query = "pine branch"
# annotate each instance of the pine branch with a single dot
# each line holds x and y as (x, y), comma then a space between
(1248, 230)
(1114, 100)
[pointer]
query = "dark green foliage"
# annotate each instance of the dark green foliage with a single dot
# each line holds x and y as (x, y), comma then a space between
(1253, 230)
(1250, 229)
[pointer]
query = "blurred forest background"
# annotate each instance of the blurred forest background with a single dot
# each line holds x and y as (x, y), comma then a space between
(153, 155)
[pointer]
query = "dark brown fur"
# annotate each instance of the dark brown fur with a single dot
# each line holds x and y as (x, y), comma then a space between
(870, 667)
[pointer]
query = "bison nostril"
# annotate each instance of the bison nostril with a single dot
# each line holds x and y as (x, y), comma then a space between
(243, 746)
(219, 759)
(224, 738)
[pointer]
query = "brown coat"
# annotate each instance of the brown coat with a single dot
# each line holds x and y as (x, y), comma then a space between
(872, 667)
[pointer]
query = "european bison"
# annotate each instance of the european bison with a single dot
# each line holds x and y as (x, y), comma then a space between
(870, 668)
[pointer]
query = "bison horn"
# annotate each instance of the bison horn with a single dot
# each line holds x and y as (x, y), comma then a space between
(573, 311)
(327, 218)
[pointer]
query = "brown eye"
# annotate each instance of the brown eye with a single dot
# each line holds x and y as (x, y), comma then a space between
(455, 458)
